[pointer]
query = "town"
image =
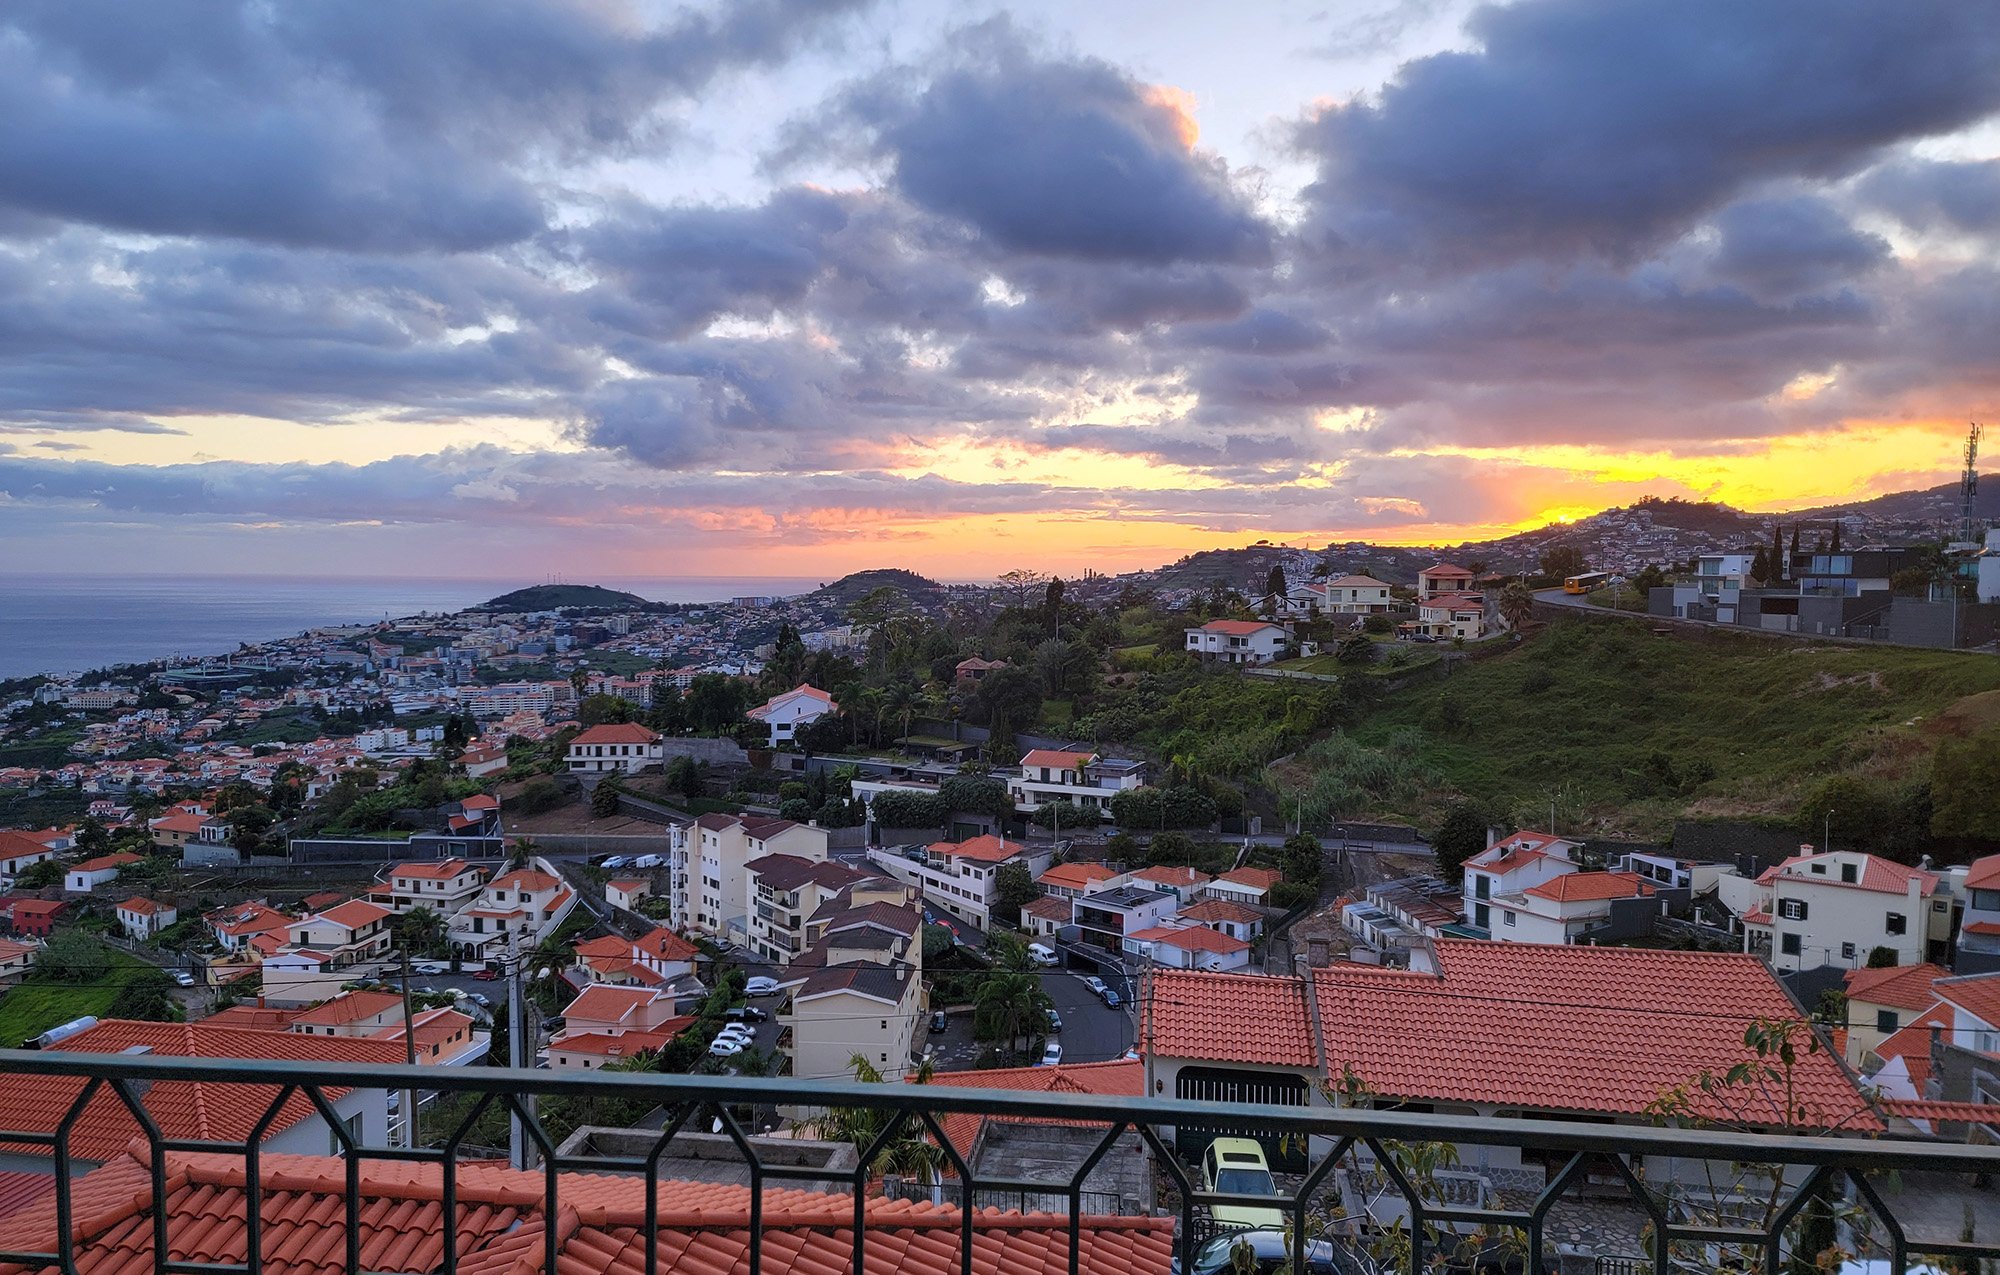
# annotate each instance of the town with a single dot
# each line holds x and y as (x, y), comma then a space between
(885, 833)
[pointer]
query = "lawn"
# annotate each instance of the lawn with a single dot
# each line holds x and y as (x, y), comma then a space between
(32, 1008)
(1596, 705)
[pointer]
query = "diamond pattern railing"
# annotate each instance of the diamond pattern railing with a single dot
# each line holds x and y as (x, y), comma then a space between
(1847, 1178)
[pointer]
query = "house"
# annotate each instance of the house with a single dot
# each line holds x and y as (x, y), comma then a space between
(84, 877)
(1945, 1054)
(1356, 595)
(1881, 1002)
(881, 932)
(18, 853)
(659, 958)
(626, 893)
(141, 919)
(1225, 917)
(833, 1013)
(1068, 880)
(606, 1024)
(1574, 907)
(445, 886)
(1399, 915)
(325, 948)
(177, 828)
(605, 1224)
(1836, 907)
(1510, 866)
(197, 1110)
(1238, 641)
(1081, 778)
(33, 916)
(511, 913)
(961, 878)
(16, 959)
(351, 1014)
(1448, 616)
(712, 892)
(784, 713)
(620, 746)
(1189, 947)
(1107, 918)
(477, 816)
(1250, 887)
(970, 672)
(483, 759)
(785, 890)
(1714, 593)
(444, 1036)
(595, 1050)
(235, 926)
(1441, 579)
(1185, 884)
(1979, 927)
(1045, 918)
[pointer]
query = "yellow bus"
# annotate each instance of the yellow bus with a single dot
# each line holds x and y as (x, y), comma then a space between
(1587, 582)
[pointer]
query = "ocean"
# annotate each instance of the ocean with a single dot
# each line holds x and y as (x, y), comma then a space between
(73, 623)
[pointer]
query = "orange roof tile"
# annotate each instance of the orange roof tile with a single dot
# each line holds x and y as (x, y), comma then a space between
(1882, 876)
(526, 880)
(1591, 887)
(1117, 1077)
(1049, 908)
(350, 1007)
(1977, 994)
(703, 1228)
(1183, 878)
(616, 733)
(1255, 878)
(987, 849)
(663, 944)
(1901, 986)
(1074, 876)
(1932, 1111)
(1192, 938)
(1057, 758)
(1983, 927)
(1221, 910)
(1239, 628)
(106, 862)
(441, 870)
(1246, 1018)
(354, 914)
(1984, 874)
(1545, 1027)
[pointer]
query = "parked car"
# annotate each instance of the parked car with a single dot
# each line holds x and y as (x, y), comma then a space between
(745, 1014)
(480, 999)
(725, 1048)
(486, 974)
(613, 863)
(432, 967)
(738, 1033)
(1094, 983)
(647, 861)
(761, 986)
(938, 1023)
(1055, 1020)
(183, 978)
(1271, 1251)
(1111, 998)
(1237, 1166)
(1051, 1054)
(554, 1023)
(1043, 955)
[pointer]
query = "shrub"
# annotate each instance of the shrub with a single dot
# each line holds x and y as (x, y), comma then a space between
(1377, 624)
(537, 795)
(1290, 894)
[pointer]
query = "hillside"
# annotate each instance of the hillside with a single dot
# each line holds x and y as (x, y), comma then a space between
(850, 589)
(550, 597)
(1636, 728)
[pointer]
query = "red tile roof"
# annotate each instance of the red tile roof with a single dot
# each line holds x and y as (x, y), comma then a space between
(616, 733)
(1590, 1029)
(1074, 876)
(1912, 1044)
(1239, 628)
(1255, 878)
(629, 1045)
(248, 918)
(141, 907)
(1245, 1018)
(1049, 908)
(20, 1188)
(1192, 938)
(1591, 887)
(107, 862)
(665, 945)
(1900, 986)
(1978, 994)
(1931, 1111)
(354, 914)
(442, 870)
(183, 1109)
(253, 1017)
(987, 849)
(1182, 878)
(1882, 876)
(1984, 874)
(1221, 910)
(1057, 759)
(1118, 1077)
(704, 1228)
(603, 1003)
(527, 880)
(351, 1007)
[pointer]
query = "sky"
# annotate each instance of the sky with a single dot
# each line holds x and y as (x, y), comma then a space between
(797, 287)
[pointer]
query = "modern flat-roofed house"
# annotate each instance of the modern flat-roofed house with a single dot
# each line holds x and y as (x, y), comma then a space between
(1078, 776)
(620, 746)
(1237, 641)
(1357, 595)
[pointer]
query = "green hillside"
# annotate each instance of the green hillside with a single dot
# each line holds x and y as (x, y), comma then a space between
(550, 597)
(850, 589)
(1633, 728)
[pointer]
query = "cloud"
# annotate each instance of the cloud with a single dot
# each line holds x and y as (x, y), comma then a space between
(1937, 194)
(1783, 247)
(1064, 157)
(1608, 127)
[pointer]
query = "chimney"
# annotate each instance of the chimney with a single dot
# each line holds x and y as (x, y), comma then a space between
(1316, 952)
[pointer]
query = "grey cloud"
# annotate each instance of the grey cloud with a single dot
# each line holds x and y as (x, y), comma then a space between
(1959, 195)
(1783, 247)
(1607, 126)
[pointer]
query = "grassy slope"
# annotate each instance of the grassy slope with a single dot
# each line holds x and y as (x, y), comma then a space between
(32, 1008)
(1771, 717)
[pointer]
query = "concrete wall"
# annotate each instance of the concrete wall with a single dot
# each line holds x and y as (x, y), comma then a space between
(716, 752)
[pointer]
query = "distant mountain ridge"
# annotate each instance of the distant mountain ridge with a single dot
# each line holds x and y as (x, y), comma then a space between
(551, 597)
(853, 587)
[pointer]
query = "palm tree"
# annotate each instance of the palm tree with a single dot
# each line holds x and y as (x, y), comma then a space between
(1007, 1008)
(1517, 603)
(423, 932)
(910, 1153)
(900, 702)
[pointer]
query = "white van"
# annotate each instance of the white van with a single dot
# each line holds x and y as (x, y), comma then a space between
(1043, 956)
(646, 861)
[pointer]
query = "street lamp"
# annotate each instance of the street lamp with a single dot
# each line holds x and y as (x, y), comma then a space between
(1826, 832)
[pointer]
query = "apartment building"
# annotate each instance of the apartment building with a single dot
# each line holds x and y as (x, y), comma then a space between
(785, 891)
(511, 914)
(713, 895)
(835, 1013)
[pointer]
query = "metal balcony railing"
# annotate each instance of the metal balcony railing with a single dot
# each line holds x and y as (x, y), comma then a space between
(1854, 1171)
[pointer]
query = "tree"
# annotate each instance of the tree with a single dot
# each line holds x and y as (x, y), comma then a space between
(71, 956)
(1274, 582)
(1760, 566)
(604, 799)
(1461, 836)
(148, 995)
(1964, 773)
(1022, 583)
(1517, 603)
(421, 931)
(1355, 650)
(1562, 561)
(1063, 814)
(1777, 556)
(1833, 546)
(596, 710)
(684, 777)
(1008, 1009)
(537, 795)
(1170, 848)
(1014, 888)
(1304, 859)
(1881, 958)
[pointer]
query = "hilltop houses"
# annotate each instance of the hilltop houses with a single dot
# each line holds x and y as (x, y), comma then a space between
(785, 713)
(1238, 641)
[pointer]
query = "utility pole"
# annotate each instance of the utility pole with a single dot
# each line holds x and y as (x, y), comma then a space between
(409, 1052)
(519, 1152)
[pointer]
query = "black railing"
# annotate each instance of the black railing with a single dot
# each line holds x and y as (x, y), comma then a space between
(1808, 1175)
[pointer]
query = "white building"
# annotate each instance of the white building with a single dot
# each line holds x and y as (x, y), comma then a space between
(1717, 587)
(621, 746)
(1512, 865)
(784, 713)
(1189, 947)
(713, 896)
(511, 914)
(1442, 578)
(1237, 641)
(1450, 615)
(1835, 907)
(1565, 908)
(1083, 778)
(141, 919)
(103, 870)
(1356, 595)
(446, 886)
(962, 877)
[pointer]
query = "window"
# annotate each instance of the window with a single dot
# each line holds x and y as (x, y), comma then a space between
(1507, 917)
(1792, 909)
(1986, 900)
(1885, 1020)
(1482, 886)
(1850, 873)
(1481, 916)
(1819, 869)
(1847, 951)
(1896, 923)
(1789, 944)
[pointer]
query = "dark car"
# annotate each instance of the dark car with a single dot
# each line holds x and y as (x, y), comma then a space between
(1272, 1250)
(937, 1021)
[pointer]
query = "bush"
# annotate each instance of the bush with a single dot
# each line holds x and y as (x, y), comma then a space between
(1170, 848)
(1378, 624)
(1536, 681)
(1178, 807)
(1290, 894)
(796, 809)
(538, 795)
(895, 809)
(1063, 814)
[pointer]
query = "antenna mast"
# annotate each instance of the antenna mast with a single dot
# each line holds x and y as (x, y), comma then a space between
(1969, 529)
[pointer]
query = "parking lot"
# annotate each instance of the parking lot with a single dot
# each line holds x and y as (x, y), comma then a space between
(1091, 1030)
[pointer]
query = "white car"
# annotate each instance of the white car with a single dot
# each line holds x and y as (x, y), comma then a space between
(183, 978)
(614, 863)
(1095, 984)
(737, 1031)
(1051, 1054)
(761, 986)
(431, 967)
(725, 1047)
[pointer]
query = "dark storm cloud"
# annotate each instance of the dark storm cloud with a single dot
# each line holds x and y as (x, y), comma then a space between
(1065, 157)
(1783, 247)
(1938, 194)
(385, 128)
(1610, 126)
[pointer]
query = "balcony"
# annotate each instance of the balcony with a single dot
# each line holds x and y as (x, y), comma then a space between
(648, 1189)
